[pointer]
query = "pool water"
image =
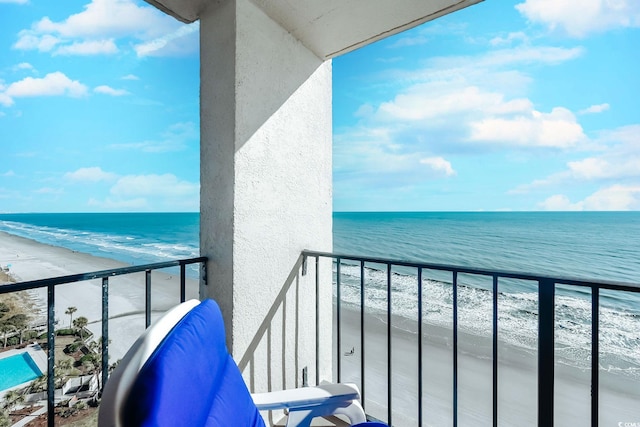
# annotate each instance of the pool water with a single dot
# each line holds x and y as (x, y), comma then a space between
(17, 369)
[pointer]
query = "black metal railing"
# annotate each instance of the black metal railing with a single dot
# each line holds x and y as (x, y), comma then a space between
(546, 290)
(51, 283)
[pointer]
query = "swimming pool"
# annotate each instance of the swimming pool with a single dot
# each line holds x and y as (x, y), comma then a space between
(17, 369)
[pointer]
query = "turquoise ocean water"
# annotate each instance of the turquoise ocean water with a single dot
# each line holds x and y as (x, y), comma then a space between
(604, 246)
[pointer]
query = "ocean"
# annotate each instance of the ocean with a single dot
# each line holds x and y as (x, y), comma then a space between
(588, 245)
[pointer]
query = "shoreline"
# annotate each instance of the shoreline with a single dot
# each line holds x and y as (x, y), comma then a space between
(32, 260)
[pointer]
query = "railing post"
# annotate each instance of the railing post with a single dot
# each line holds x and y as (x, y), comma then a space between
(495, 351)
(203, 276)
(147, 298)
(455, 348)
(183, 282)
(420, 388)
(389, 355)
(51, 351)
(304, 265)
(546, 348)
(338, 318)
(595, 354)
(105, 331)
(362, 336)
(317, 320)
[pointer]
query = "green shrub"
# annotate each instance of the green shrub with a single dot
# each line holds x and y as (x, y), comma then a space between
(73, 347)
(89, 358)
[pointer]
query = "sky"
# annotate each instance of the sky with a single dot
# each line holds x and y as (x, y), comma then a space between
(508, 105)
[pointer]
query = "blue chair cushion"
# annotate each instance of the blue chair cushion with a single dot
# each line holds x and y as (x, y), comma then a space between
(191, 380)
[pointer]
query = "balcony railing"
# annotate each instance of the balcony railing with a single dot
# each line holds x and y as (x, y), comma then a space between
(546, 288)
(454, 277)
(51, 283)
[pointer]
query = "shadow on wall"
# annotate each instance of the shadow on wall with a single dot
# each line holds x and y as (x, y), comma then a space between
(277, 340)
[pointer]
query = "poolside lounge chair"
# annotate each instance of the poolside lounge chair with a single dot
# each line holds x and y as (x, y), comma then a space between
(179, 373)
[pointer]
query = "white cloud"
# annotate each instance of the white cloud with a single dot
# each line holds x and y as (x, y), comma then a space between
(481, 116)
(559, 202)
(130, 77)
(508, 57)
(28, 40)
(614, 198)
(617, 159)
(607, 167)
(578, 19)
(176, 138)
(558, 129)
(5, 100)
(182, 41)
(594, 109)
(49, 190)
(428, 101)
(53, 84)
(2, 113)
(15, 1)
(95, 30)
(89, 47)
(453, 105)
(409, 41)
(106, 90)
(90, 174)
(128, 205)
(166, 186)
(24, 66)
(150, 193)
(439, 164)
(591, 168)
(509, 39)
(109, 18)
(9, 173)
(370, 158)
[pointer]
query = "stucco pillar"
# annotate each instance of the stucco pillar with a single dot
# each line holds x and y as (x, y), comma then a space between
(265, 191)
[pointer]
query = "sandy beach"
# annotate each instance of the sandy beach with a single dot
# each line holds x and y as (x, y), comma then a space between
(619, 394)
(30, 260)
(517, 377)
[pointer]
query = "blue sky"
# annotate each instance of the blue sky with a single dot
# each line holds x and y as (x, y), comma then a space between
(506, 105)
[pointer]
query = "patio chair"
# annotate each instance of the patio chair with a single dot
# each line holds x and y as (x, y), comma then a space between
(179, 373)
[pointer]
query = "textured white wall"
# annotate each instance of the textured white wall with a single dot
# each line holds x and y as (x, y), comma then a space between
(266, 190)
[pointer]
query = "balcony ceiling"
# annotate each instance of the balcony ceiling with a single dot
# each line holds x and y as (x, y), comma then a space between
(332, 27)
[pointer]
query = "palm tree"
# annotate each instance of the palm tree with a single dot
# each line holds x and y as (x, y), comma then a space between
(5, 328)
(12, 399)
(39, 384)
(80, 323)
(93, 365)
(5, 421)
(70, 311)
(22, 328)
(65, 364)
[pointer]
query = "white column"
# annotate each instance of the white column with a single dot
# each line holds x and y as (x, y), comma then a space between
(266, 191)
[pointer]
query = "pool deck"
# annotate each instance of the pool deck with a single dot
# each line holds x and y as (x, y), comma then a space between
(37, 354)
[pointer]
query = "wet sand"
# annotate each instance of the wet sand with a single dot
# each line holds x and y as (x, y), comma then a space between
(517, 379)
